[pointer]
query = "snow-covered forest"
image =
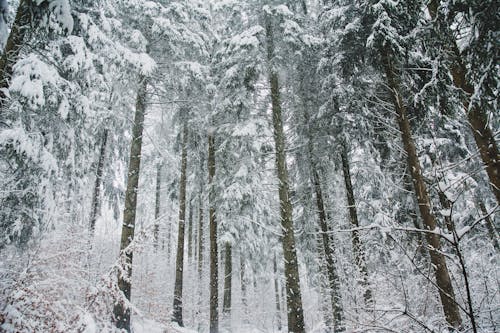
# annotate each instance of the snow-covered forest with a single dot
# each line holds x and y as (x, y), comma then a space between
(181, 166)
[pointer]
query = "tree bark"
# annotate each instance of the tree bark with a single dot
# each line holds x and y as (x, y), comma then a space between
(96, 197)
(357, 247)
(214, 264)
(190, 232)
(228, 272)
(243, 283)
(277, 293)
(157, 206)
(120, 311)
(200, 237)
(443, 281)
(179, 263)
(478, 119)
(294, 298)
(489, 225)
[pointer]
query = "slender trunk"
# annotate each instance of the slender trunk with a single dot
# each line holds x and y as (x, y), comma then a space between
(443, 281)
(478, 119)
(294, 298)
(228, 272)
(243, 283)
(179, 263)
(190, 232)
(331, 270)
(359, 253)
(157, 206)
(277, 293)
(214, 264)
(489, 225)
(200, 237)
(96, 197)
(16, 40)
(121, 311)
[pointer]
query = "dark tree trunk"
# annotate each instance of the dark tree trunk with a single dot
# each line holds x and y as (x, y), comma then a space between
(277, 293)
(294, 298)
(214, 264)
(200, 237)
(443, 281)
(243, 283)
(492, 232)
(478, 119)
(359, 253)
(96, 197)
(179, 263)
(190, 232)
(156, 230)
(121, 311)
(228, 272)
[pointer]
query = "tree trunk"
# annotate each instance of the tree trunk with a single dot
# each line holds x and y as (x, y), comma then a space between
(294, 298)
(15, 42)
(359, 253)
(190, 232)
(96, 197)
(333, 279)
(179, 263)
(228, 272)
(489, 225)
(243, 283)
(157, 206)
(277, 293)
(200, 237)
(121, 311)
(214, 264)
(443, 281)
(478, 119)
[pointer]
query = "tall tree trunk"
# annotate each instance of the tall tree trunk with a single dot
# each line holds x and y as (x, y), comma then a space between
(214, 264)
(157, 206)
(17, 38)
(478, 119)
(179, 263)
(277, 293)
(243, 283)
(333, 279)
(96, 197)
(121, 311)
(200, 237)
(190, 232)
(228, 272)
(443, 281)
(294, 298)
(357, 247)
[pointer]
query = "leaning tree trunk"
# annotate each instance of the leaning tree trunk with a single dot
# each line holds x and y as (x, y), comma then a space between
(121, 311)
(179, 263)
(492, 232)
(442, 275)
(96, 197)
(228, 272)
(17, 38)
(294, 298)
(359, 253)
(214, 264)
(156, 230)
(478, 119)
